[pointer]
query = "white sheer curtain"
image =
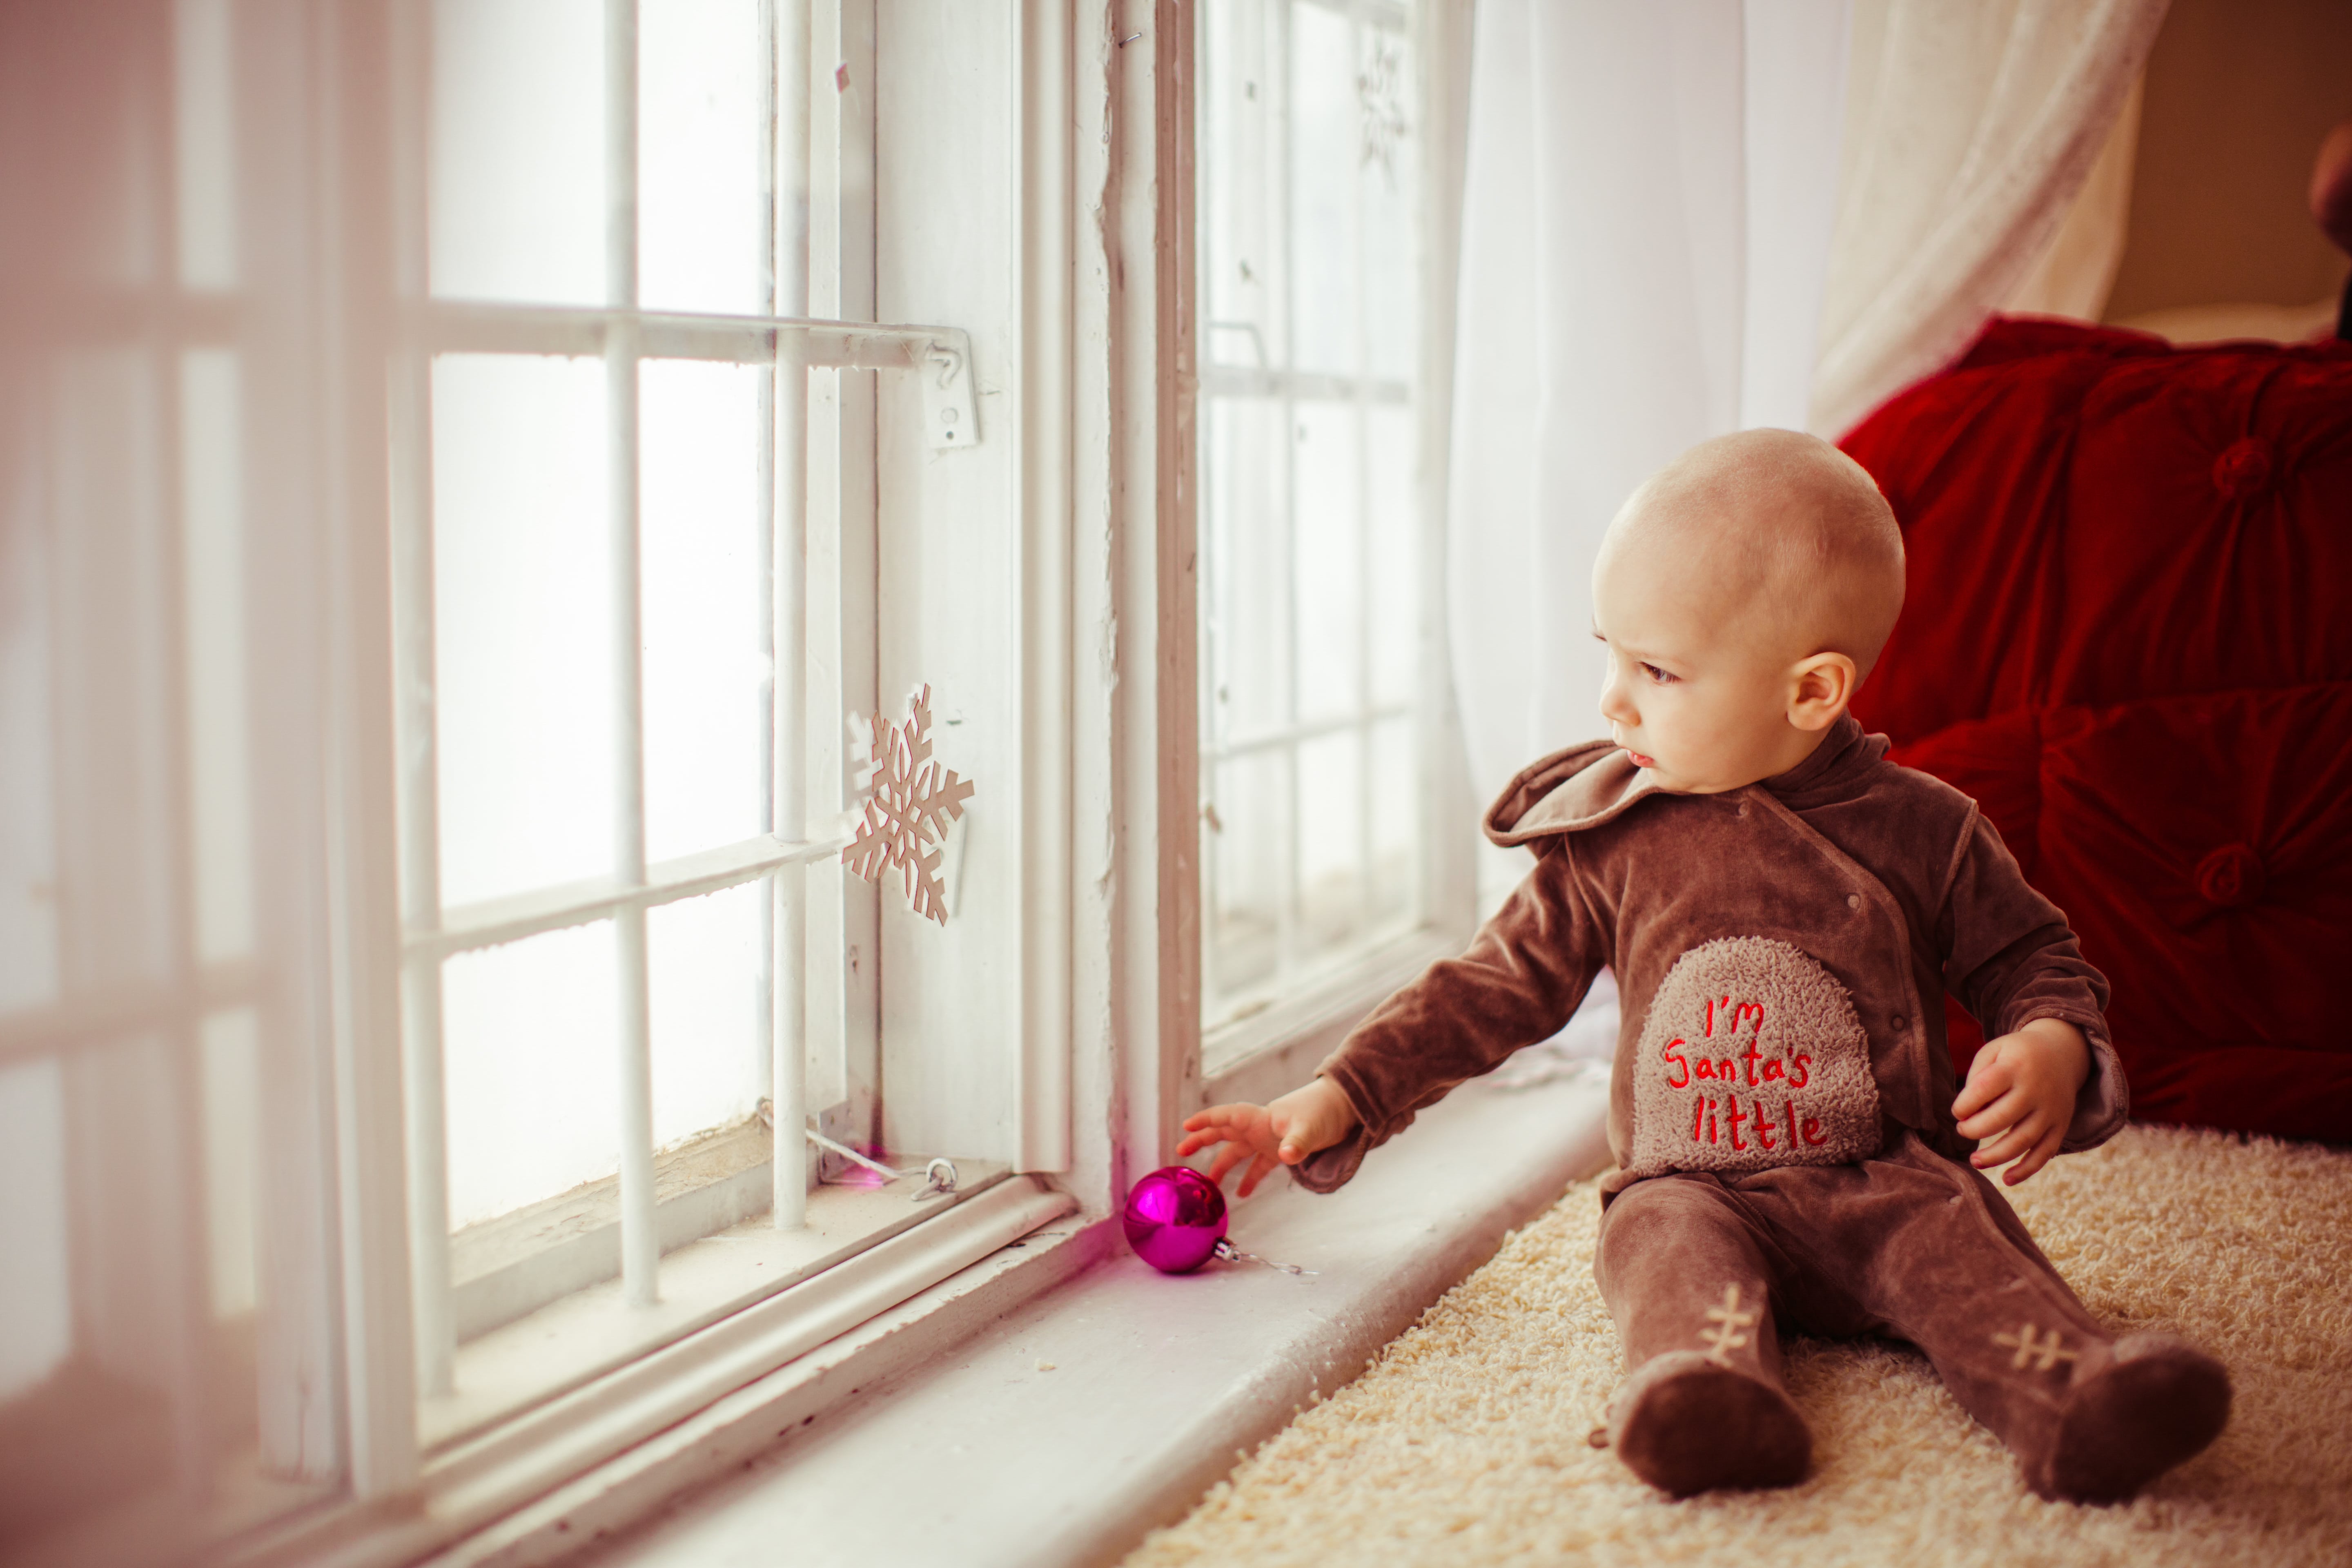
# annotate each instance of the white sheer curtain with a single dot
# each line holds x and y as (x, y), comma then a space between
(1646, 223)
(1970, 129)
(2077, 270)
(1679, 219)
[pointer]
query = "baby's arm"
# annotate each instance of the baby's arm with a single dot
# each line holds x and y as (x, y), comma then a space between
(1521, 978)
(1299, 1124)
(2020, 1094)
(2046, 1079)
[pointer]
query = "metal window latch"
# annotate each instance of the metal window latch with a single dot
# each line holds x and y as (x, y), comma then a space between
(950, 403)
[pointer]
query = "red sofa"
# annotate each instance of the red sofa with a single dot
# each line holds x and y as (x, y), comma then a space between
(2128, 635)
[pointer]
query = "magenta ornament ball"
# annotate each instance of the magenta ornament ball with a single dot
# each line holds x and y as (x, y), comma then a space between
(1174, 1218)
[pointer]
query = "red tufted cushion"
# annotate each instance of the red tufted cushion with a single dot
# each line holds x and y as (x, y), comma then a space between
(2130, 635)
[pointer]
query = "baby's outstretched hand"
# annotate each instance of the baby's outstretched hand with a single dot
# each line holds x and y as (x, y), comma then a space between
(2020, 1094)
(1285, 1132)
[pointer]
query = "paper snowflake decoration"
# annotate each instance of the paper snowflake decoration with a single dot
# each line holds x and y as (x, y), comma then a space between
(1380, 90)
(909, 801)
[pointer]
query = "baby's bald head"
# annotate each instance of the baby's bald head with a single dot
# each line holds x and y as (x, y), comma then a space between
(1784, 538)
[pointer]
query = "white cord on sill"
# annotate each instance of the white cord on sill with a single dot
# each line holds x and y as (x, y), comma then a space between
(939, 1176)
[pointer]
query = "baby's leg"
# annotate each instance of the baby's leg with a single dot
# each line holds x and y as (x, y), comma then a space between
(1934, 1253)
(1686, 1275)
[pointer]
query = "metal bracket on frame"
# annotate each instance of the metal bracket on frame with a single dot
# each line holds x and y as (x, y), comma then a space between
(951, 405)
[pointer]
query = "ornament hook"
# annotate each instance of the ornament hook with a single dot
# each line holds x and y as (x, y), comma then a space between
(1227, 1252)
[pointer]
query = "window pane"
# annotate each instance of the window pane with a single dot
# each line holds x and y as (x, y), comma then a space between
(1332, 787)
(699, 205)
(1244, 235)
(131, 1181)
(212, 516)
(1326, 153)
(36, 1307)
(1329, 563)
(1248, 577)
(230, 1079)
(709, 1031)
(522, 586)
(29, 848)
(1249, 849)
(518, 154)
(1388, 178)
(108, 663)
(532, 1070)
(1392, 547)
(705, 665)
(204, 139)
(1396, 811)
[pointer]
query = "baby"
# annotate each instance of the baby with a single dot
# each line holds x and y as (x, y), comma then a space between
(1784, 909)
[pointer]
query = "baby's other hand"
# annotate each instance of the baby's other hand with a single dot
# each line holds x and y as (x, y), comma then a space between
(2021, 1095)
(1285, 1132)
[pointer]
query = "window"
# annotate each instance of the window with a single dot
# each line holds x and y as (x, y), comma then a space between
(625, 940)
(658, 556)
(1328, 840)
(464, 465)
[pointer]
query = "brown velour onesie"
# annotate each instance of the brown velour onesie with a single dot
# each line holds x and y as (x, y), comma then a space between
(1780, 1105)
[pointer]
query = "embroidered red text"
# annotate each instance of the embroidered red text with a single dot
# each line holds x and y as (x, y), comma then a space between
(1763, 1124)
(1751, 1066)
(1753, 1124)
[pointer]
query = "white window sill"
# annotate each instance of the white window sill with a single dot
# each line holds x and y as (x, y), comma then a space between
(507, 1268)
(615, 1448)
(985, 1457)
(592, 1331)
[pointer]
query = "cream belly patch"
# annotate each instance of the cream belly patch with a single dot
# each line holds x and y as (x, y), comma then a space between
(1751, 1057)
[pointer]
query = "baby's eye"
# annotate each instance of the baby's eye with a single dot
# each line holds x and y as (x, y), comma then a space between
(1657, 675)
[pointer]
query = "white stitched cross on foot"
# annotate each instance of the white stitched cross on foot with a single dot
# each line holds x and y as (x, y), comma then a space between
(1730, 1320)
(2043, 1354)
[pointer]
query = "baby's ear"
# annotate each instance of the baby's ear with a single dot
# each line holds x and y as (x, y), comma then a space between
(1824, 686)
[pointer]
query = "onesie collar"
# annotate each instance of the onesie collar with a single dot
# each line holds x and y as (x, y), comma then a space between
(1839, 764)
(1584, 786)
(1580, 787)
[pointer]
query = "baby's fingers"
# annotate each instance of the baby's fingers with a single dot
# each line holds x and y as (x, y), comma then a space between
(1257, 1172)
(1229, 1156)
(1222, 1123)
(2017, 1140)
(2038, 1157)
(1997, 1117)
(1989, 1079)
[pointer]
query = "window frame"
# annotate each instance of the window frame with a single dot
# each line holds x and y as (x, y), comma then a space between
(800, 458)
(1267, 1053)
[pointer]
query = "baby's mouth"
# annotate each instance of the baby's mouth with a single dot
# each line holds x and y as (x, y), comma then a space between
(1639, 760)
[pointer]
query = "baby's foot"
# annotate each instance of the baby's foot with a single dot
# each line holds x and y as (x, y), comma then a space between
(1686, 1424)
(2155, 1404)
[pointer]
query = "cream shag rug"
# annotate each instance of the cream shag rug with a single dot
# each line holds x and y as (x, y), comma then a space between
(1464, 1442)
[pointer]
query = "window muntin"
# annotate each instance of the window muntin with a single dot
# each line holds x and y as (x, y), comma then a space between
(1313, 632)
